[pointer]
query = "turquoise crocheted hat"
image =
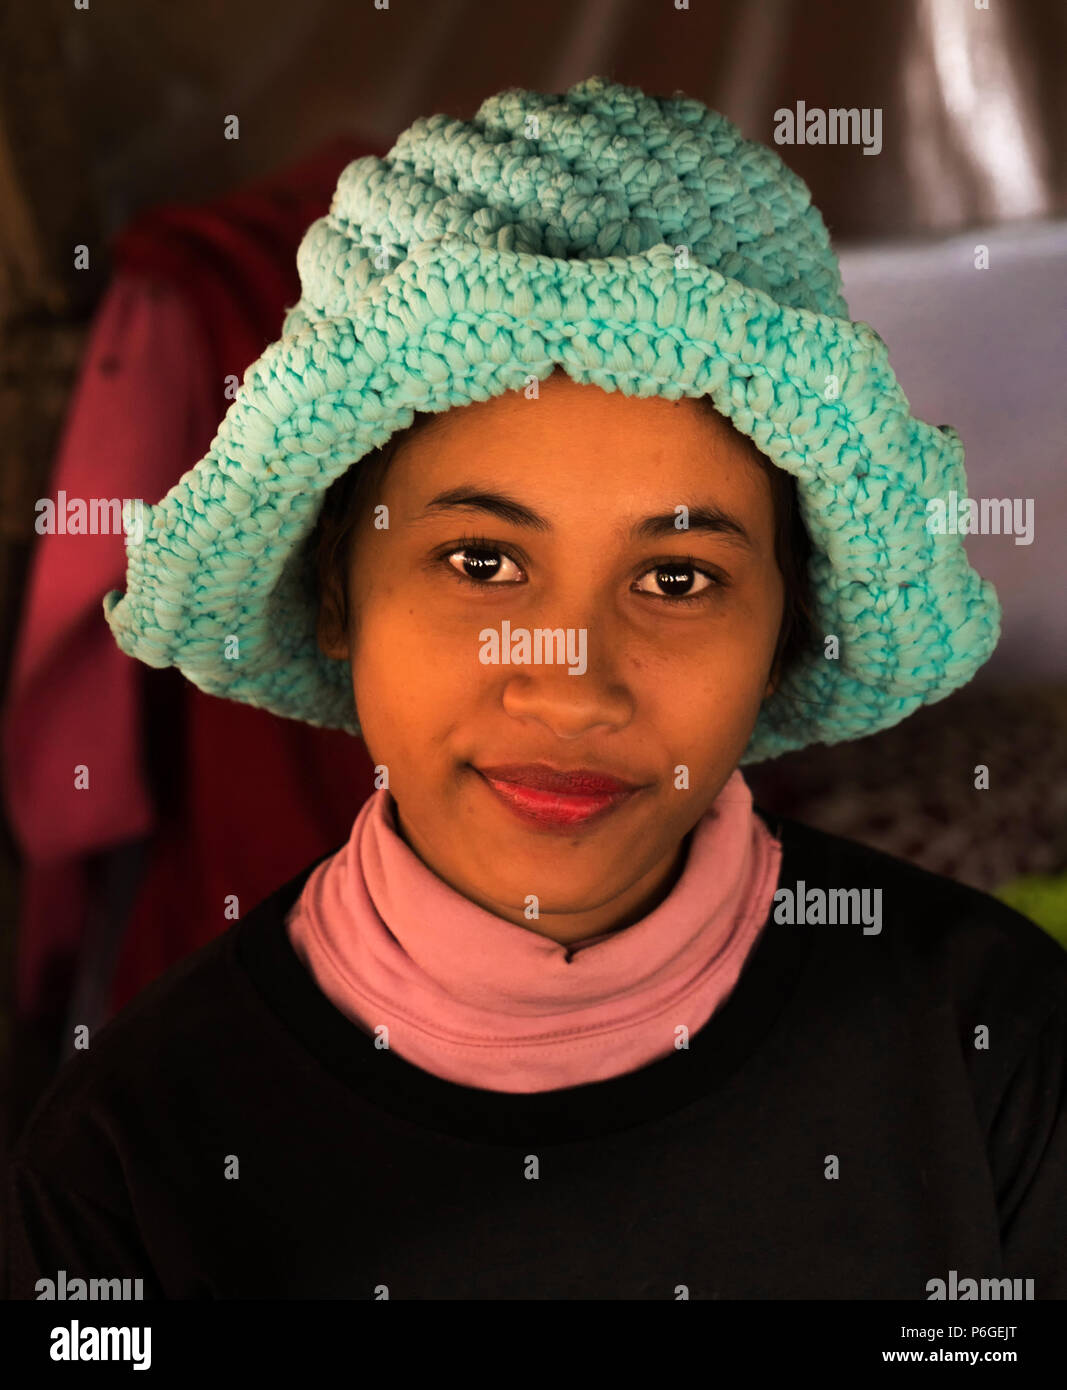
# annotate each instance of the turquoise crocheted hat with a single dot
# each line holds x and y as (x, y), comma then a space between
(643, 246)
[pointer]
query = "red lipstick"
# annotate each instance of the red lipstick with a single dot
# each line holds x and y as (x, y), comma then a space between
(557, 798)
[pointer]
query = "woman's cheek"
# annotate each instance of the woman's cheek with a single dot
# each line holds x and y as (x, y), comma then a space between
(407, 644)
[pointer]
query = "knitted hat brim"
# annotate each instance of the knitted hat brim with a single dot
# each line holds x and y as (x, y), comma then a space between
(223, 556)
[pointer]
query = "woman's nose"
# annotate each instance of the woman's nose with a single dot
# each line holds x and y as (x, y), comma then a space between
(565, 678)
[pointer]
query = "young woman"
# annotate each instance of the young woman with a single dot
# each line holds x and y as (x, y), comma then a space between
(571, 488)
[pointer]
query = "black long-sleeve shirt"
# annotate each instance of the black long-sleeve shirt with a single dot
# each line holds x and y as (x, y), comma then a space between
(867, 1113)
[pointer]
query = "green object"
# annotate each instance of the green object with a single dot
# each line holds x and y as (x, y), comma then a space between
(641, 244)
(1042, 898)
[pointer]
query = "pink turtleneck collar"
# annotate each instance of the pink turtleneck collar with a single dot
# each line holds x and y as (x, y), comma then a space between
(475, 999)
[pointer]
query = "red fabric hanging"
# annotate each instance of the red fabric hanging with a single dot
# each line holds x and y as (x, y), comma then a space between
(234, 800)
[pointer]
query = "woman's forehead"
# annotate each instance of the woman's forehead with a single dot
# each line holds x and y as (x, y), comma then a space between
(578, 418)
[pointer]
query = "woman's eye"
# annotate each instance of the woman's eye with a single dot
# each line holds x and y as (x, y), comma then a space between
(679, 581)
(484, 565)
(481, 565)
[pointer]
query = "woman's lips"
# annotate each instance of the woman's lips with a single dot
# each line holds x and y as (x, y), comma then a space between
(555, 809)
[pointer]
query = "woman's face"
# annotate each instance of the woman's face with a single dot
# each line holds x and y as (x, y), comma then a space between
(665, 692)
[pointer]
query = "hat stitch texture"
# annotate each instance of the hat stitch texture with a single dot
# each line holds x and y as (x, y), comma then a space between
(641, 244)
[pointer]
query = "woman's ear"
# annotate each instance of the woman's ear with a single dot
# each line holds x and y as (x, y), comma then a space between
(774, 679)
(330, 630)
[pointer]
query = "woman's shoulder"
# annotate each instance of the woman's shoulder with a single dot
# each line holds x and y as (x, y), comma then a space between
(927, 931)
(198, 1026)
(166, 1032)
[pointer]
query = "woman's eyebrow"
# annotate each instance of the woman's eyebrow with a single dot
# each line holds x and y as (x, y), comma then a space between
(706, 518)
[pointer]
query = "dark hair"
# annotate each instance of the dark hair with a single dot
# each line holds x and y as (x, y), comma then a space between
(348, 496)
